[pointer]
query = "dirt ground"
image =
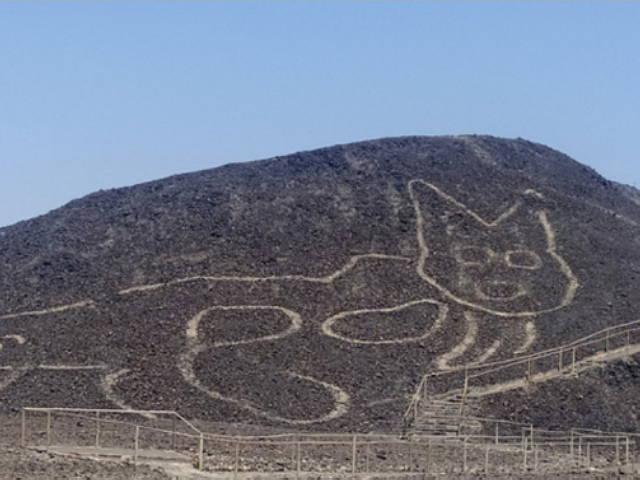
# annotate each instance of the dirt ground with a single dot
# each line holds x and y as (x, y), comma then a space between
(18, 464)
(32, 464)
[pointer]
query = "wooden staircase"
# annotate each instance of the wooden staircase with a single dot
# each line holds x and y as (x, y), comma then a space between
(447, 417)
(446, 412)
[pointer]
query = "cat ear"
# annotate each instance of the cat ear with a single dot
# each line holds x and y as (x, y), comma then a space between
(438, 208)
(531, 220)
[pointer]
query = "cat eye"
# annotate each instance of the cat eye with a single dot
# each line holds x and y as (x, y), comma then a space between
(524, 259)
(473, 256)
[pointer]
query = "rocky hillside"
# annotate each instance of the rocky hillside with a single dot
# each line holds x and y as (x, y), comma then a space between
(313, 290)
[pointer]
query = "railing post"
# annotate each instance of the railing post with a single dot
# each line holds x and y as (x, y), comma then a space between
(97, 429)
(201, 452)
(424, 387)
(173, 432)
(524, 454)
(588, 454)
(367, 453)
(626, 453)
(617, 450)
(48, 429)
(571, 449)
(497, 433)
(579, 449)
(464, 455)
(354, 456)
(136, 444)
(531, 434)
(486, 460)
(560, 359)
(298, 459)
(573, 361)
(236, 465)
(23, 435)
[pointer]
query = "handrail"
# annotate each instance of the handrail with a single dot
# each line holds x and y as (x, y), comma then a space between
(523, 441)
(108, 421)
(550, 354)
(347, 437)
(541, 354)
(118, 411)
(483, 369)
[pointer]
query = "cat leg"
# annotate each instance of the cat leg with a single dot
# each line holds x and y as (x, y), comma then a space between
(485, 339)
(530, 337)
(444, 361)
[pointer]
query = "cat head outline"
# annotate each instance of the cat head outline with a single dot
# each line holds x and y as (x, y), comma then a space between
(508, 267)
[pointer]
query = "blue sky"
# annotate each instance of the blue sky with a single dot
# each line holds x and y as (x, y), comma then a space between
(105, 94)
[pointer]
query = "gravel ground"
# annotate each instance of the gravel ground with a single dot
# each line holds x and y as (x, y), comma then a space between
(17, 464)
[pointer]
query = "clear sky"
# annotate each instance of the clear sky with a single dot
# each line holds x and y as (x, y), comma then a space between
(104, 94)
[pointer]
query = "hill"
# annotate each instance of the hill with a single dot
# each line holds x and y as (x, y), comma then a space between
(313, 290)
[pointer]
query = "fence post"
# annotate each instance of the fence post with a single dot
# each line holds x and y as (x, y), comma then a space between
(626, 453)
(588, 454)
(173, 434)
(23, 436)
(579, 449)
(497, 433)
(136, 444)
(560, 359)
(464, 455)
(298, 459)
(424, 388)
(97, 429)
(201, 452)
(486, 460)
(48, 429)
(617, 450)
(466, 386)
(531, 433)
(524, 454)
(606, 342)
(571, 449)
(573, 361)
(354, 456)
(367, 453)
(237, 460)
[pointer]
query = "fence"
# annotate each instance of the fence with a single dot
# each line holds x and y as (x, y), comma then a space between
(491, 377)
(110, 431)
(510, 449)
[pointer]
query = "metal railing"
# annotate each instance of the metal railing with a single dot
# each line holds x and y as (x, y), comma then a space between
(512, 447)
(568, 358)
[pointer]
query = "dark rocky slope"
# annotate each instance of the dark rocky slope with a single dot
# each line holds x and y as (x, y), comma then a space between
(296, 291)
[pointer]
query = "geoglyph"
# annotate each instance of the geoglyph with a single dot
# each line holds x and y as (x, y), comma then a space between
(484, 268)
